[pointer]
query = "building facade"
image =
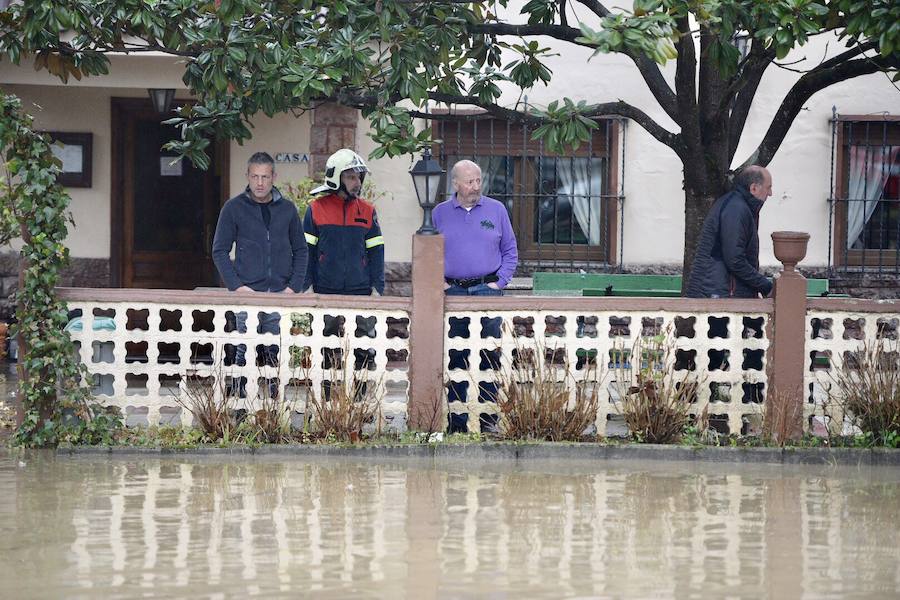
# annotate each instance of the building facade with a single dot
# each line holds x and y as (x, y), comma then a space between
(144, 219)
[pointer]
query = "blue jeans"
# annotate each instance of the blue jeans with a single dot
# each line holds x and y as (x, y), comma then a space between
(482, 289)
(268, 323)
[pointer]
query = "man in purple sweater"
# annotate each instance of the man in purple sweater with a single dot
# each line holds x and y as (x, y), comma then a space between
(480, 252)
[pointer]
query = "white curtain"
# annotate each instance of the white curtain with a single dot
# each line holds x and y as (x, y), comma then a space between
(870, 167)
(493, 176)
(581, 182)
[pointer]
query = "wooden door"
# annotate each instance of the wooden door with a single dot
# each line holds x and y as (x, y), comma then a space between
(164, 210)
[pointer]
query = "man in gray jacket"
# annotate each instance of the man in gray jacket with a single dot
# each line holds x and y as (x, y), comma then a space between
(727, 260)
(270, 250)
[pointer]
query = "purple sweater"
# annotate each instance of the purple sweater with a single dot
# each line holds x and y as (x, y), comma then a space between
(477, 242)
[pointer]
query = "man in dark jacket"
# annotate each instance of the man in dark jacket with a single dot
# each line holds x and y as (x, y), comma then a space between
(270, 252)
(346, 249)
(727, 260)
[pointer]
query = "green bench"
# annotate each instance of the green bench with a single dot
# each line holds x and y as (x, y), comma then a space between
(623, 284)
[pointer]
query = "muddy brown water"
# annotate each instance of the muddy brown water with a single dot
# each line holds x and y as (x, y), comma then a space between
(130, 527)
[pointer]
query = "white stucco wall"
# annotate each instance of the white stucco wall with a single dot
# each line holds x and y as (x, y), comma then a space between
(85, 106)
(281, 133)
(80, 109)
(398, 210)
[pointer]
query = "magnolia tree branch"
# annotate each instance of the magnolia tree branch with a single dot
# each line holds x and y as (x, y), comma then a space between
(594, 111)
(559, 32)
(816, 80)
(648, 69)
(596, 7)
(743, 91)
(685, 77)
(745, 84)
(848, 54)
(607, 109)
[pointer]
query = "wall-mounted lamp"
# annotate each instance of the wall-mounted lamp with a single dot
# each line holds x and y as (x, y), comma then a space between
(161, 99)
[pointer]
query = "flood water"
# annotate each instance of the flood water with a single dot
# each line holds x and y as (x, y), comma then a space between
(287, 528)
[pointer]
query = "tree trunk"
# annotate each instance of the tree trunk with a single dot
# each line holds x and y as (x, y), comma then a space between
(700, 192)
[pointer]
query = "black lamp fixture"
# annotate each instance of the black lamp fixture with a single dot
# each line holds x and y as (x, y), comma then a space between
(161, 99)
(427, 174)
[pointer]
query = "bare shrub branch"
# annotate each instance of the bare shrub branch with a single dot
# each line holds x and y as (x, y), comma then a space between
(867, 388)
(348, 400)
(536, 398)
(780, 418)
(655, 400)
(208, 400)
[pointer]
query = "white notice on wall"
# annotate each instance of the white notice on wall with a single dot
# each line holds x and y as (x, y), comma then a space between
(71, 157)
(169, 166)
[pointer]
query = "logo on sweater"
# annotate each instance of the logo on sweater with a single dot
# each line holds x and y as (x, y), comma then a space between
(486, 224)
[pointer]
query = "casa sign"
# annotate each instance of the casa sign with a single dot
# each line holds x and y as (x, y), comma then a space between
(291, 157)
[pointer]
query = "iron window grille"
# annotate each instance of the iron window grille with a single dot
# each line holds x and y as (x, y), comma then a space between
(565, 209)
(865, 194)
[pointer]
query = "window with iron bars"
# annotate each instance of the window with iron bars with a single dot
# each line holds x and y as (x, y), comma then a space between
(564, 208)
(866, 193)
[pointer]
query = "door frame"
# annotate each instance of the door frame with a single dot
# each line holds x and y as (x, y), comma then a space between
(121, 108)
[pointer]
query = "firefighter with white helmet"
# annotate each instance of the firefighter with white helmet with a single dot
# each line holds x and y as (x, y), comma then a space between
(342, 160)
(346, 248)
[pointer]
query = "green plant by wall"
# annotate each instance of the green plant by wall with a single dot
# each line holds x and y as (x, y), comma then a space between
(654, 400)
(298, 192)
(34, 208)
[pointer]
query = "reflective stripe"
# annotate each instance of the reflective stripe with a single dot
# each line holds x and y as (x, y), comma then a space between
(311, 239)
(375, 241)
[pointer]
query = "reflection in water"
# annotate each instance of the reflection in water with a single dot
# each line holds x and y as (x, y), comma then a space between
(81, 528)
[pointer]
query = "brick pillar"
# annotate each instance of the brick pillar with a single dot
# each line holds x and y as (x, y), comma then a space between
(784, 398)
(426, 344)
(333, 127)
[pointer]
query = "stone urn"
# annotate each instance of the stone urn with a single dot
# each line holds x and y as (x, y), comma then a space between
(790, 247)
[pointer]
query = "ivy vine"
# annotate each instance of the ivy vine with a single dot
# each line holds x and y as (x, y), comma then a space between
(35, 209)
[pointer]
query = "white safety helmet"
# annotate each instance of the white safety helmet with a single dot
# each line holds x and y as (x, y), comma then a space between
(342, 160)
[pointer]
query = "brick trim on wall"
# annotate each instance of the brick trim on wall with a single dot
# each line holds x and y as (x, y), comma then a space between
(333, 127)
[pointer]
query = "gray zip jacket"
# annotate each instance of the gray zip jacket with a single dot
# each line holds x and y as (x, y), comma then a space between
(267, 259)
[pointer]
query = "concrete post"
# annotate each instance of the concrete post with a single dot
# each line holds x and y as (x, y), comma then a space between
(426, 344)
(784, 398)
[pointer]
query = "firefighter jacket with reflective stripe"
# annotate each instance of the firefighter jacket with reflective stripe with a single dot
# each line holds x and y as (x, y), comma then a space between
(346, 249)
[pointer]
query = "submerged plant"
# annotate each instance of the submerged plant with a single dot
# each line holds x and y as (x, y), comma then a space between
(655, 401)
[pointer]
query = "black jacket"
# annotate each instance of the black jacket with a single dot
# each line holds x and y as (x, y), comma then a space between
(727, 259)
(267, 259)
